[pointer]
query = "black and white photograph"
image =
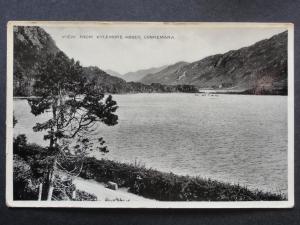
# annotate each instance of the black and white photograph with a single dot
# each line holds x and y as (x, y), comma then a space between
(150, 115)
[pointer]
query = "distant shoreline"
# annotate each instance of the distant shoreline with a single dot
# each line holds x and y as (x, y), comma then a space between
(213, 92)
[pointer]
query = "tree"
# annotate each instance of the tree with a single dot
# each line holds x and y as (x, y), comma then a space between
(75, 106)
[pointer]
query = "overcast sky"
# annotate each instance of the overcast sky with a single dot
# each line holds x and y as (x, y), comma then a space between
(125, 55)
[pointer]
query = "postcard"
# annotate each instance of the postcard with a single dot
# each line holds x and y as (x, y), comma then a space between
(150, 115)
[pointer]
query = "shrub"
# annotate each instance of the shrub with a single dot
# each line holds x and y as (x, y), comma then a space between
(24, 187)
(153, 184)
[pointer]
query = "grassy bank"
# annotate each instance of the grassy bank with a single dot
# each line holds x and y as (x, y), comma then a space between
(154, 184)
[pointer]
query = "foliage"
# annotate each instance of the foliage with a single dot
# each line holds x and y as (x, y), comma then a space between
(76, 106)
(36, 157)
(84, 196)
(153, 184)
(64, 188)
(23, 182)
(30, 167)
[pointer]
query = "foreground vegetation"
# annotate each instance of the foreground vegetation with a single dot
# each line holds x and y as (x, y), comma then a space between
(139, 180)
(29, 165)
(154, 184)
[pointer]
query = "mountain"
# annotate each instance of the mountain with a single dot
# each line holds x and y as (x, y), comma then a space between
(160, 77)
(258, 69)
(31, 45)
(111, 84)
(138, 75)
(104, 81)
(113, 73)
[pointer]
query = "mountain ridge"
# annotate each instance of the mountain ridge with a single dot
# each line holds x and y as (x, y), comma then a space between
(260, 68)
(31, 46)
(139, 74)
(113, 73)
(257, 69)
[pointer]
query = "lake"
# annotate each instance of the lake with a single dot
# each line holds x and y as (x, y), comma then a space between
(233, 138)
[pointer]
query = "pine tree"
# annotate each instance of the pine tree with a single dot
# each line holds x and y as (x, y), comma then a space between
(75, 106)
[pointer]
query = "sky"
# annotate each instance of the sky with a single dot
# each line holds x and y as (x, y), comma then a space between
(186, 43)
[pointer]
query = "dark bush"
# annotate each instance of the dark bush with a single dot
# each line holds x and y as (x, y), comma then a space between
(29, 165)
(24, 187)
(84, 196)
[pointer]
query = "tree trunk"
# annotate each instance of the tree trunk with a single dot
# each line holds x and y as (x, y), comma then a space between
(53, 139)
(40, 191)
(50, 192)
(48, 185)
(51, 179)
(74, 195)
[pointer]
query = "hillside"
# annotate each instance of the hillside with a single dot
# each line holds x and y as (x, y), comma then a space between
(113, 73)
(104, 81)
(111, 84)
(140, 74)
(162, 76)
(31, 45)
(258, 69)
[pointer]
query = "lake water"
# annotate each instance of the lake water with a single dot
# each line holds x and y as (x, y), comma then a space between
(233, 138)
